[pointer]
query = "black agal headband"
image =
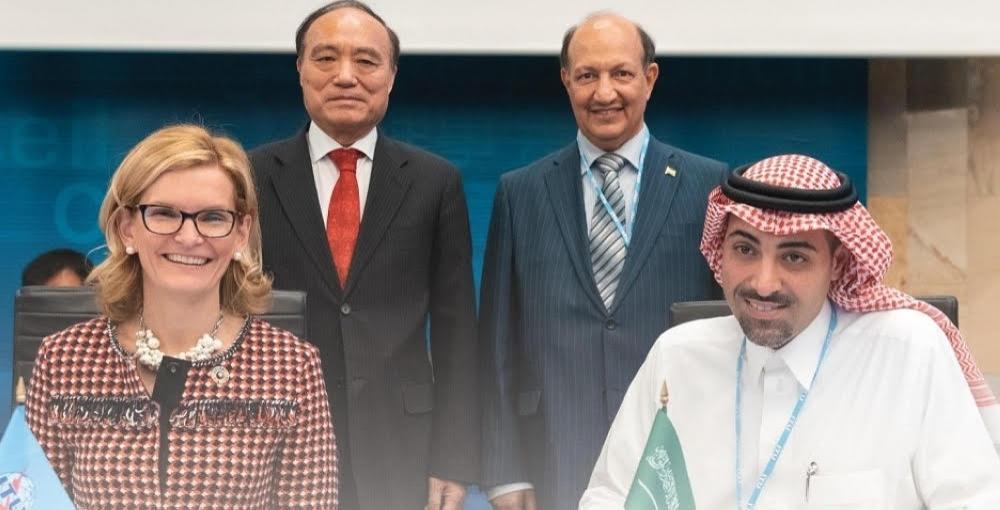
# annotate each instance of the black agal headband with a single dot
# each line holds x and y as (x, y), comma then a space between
(758, 194)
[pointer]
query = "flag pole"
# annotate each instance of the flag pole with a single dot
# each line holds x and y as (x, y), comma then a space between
(20, 394)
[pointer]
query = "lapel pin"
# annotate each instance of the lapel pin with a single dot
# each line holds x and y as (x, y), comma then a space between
(669, 170)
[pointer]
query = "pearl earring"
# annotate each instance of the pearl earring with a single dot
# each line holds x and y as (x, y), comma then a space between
(237, 256)
(130, 250)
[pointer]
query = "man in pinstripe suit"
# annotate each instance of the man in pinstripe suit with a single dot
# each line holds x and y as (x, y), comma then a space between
(377, 232)
(587, 249)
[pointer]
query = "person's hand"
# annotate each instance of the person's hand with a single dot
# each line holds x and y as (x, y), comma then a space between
(517, 500)
(444, 494)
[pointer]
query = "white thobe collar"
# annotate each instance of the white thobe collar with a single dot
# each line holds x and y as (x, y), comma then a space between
(799, 355)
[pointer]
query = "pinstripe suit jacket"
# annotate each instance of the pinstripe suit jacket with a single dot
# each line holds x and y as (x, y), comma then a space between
(556, 362)
(397, 418)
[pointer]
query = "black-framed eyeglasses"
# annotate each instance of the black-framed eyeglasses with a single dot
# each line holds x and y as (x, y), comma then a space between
(165, 220)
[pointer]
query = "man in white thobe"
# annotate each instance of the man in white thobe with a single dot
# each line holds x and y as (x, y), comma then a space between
(887, 421)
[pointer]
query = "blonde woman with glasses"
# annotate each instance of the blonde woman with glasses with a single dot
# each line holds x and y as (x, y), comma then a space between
(177, 396)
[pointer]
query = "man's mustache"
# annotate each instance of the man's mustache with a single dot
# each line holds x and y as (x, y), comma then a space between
(776, 298)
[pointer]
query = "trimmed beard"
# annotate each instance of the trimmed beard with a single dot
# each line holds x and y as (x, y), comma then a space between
(773, 334)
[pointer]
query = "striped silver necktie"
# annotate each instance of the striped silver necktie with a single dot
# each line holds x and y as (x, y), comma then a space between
(607, 246)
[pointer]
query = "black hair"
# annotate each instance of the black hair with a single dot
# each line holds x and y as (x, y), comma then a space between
(300, 34)
(53, 262)
(648, 46)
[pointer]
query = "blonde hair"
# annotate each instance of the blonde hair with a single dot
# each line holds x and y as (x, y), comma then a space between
(118, 280)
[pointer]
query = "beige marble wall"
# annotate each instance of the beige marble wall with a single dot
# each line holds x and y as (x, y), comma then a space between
(934, 184)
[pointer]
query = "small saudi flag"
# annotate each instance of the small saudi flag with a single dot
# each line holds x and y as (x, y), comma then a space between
(661, 480)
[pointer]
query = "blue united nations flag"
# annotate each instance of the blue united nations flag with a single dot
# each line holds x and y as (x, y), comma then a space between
(27, 480)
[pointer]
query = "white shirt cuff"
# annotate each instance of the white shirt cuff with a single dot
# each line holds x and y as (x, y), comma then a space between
(500, 490)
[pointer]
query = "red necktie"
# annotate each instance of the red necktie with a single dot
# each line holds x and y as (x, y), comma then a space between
(344, 215)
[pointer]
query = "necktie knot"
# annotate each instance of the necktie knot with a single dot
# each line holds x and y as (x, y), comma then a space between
(346, 159)
(609, 162)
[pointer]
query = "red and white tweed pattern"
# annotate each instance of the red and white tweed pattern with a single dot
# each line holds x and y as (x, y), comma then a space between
(860, 289)
(273, 449)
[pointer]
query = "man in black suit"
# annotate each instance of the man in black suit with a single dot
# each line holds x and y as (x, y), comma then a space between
(377, 232)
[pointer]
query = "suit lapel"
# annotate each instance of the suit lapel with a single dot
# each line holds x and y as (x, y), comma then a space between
(296, 190)
(655, 196)
(386, 191)
(566, 196)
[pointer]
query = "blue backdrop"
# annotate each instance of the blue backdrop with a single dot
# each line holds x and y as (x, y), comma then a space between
(67, 119)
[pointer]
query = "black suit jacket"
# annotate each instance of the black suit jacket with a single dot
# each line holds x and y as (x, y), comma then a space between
(400, 412)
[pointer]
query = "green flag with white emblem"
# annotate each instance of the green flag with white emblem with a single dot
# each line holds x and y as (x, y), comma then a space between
(661, 480)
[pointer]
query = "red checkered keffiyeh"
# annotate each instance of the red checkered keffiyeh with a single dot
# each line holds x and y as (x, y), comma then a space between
(860, 289)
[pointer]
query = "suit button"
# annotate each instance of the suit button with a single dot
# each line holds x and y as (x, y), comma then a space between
(341, 382)
(610, 324)
(172, 367)
(345, 309)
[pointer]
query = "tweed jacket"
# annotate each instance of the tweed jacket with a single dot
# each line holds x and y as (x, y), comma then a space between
(258, 438)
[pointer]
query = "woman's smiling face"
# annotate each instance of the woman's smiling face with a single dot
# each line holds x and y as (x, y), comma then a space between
(185, 263)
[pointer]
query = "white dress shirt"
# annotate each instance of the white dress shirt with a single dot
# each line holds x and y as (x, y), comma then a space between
(889, 421)
(631, 150)
(325, 173)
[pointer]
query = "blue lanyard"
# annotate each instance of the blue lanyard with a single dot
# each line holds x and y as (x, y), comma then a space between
(783, 439)
(624, 230)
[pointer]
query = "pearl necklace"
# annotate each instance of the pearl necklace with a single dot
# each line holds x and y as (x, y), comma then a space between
(147, 346)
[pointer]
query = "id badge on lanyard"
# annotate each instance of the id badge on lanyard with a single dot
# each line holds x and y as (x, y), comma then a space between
(765, 476)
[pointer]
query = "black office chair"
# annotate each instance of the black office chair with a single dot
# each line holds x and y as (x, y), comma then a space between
(693, 310)
(41, 311)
